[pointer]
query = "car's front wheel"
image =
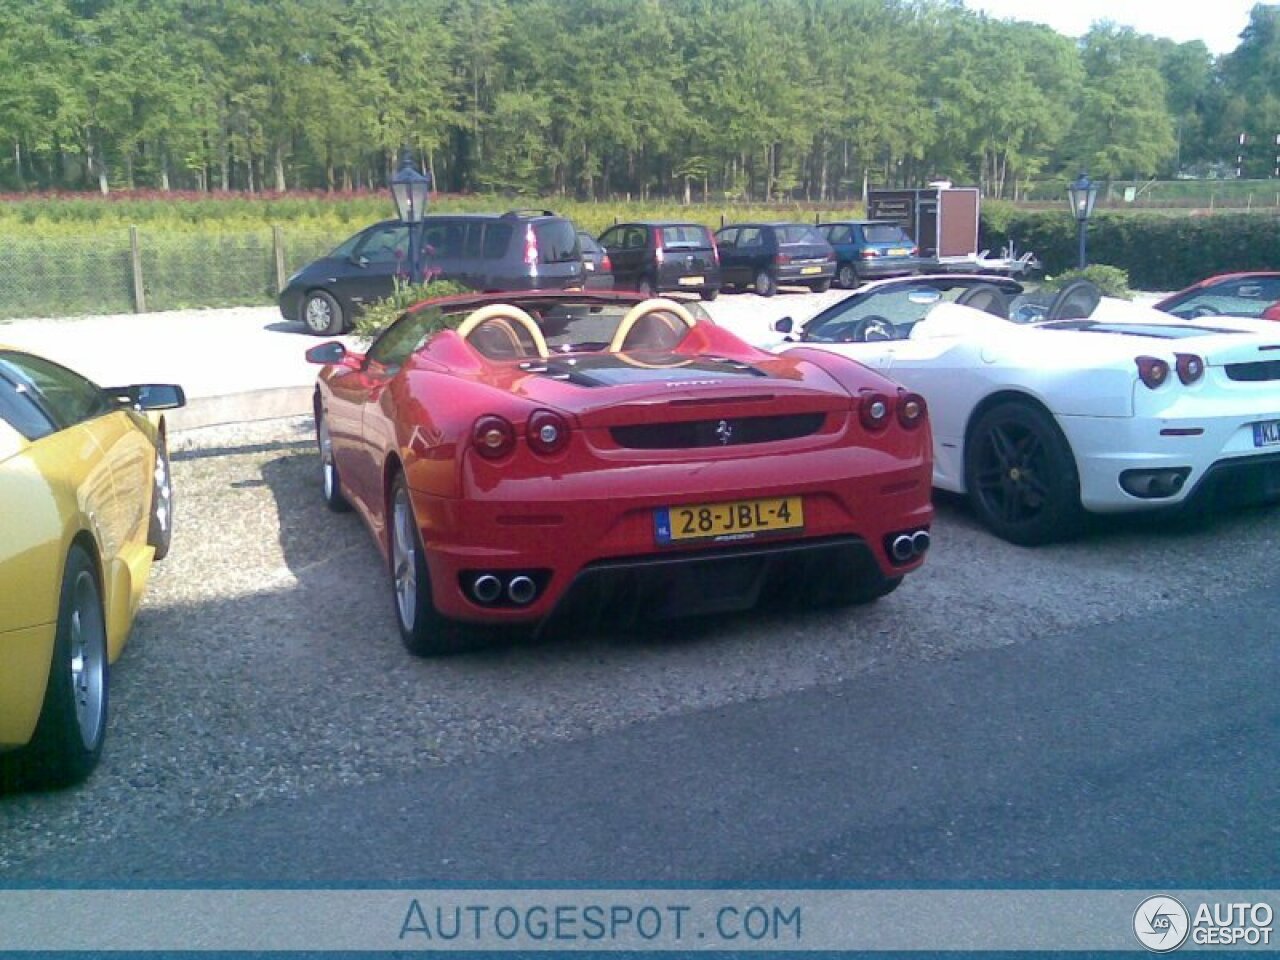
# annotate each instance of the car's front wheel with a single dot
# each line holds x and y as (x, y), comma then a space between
(330, 487)
(73, 719)
(160, 526)
(820, 286)
(1021, 475)
(423, 630)
(766, 286)
(322, 314)
(847, 276)
(710, 293)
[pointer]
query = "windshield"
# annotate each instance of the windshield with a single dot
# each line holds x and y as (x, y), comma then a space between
(889, 312)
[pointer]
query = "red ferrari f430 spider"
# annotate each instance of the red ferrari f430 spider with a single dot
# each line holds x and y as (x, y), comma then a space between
(601, 457)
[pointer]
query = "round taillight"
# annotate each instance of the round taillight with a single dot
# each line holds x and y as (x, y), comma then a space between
(548, 432)
(1152, 371)
(1190, 367)
(493, 437)
(911, 410)
(874, 411)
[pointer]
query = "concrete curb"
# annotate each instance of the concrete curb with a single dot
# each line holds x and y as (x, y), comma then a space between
(273, 403)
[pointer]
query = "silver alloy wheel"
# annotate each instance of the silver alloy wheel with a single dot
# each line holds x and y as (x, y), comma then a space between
(404, 556)
(319, 314)
(163, 507)
(326, 459)
(848, 276)
(88, 648)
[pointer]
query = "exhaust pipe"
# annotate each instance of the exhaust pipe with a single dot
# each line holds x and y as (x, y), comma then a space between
(902, 548)
(486, 588)
(920, 541)
(521, 590)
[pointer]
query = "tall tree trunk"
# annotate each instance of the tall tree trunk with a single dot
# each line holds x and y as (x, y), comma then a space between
(164, 170)
(17, 163)
(280, 184)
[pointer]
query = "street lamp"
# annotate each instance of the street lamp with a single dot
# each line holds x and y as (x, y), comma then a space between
(1082, 193)
(410, 191)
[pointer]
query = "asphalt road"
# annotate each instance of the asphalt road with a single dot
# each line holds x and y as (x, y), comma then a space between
(1096, 713)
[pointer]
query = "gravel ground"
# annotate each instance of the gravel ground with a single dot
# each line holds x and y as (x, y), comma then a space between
(265, 662)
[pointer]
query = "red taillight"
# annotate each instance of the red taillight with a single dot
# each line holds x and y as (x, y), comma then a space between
(548, 432)
(831, 255)
(869, 254)
(493, 437)
(1190, 367)
(1152, 371)
(915, 251)
(715, 252)
(659, 255)
(781, 259)
(530, 247)
(606, 263)
(874, 411)
(911, 410)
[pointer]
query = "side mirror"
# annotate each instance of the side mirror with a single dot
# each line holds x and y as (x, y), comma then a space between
(359, 261)
(784, 325)
(327, 354)
(149, 396)
(1272, 312)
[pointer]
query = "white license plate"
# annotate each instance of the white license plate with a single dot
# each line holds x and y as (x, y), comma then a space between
(808, 270)
(691, 281)
(1266, 433)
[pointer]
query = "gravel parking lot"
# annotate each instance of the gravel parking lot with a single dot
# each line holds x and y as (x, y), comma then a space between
(265, 662)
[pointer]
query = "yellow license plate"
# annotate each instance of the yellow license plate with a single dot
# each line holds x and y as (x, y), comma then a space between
(741, 520)
(899, 252)
(810, 269)
(691, 281)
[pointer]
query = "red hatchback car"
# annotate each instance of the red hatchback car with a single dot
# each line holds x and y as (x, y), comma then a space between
(598, 456)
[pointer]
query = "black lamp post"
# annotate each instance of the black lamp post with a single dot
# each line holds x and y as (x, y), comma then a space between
(410, 191)
(1082, 192)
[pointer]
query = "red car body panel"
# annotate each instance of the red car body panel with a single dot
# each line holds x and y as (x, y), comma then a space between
(594, 500)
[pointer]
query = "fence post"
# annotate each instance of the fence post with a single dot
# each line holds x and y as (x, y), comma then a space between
(135, 255)
(277, 244)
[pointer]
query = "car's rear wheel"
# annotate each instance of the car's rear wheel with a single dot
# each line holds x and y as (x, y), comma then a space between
(330, 486)
(766, 286)
(847, 276)
(73, 719)
(820, 286)
(710, 293)
(160, 527)
(423, 630)
(1021, 475)
(322, 314)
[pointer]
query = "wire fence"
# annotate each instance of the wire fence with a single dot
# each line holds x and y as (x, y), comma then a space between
(134, 270)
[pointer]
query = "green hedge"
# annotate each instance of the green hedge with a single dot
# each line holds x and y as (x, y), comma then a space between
(1159, 252)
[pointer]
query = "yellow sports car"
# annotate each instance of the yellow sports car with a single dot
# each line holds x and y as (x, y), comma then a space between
(86, 503)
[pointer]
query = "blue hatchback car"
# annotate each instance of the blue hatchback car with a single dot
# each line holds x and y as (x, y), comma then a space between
(869, 250)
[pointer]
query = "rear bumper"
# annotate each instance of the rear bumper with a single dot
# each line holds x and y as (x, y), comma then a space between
(558, 531)
(671, 278)
(630, 590)
(792, 274)
(1221, 462)
(880, 268)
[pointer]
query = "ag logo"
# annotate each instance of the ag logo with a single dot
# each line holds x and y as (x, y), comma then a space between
(1161, 924)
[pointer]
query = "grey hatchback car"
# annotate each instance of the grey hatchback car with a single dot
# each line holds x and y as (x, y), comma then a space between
(517, 250)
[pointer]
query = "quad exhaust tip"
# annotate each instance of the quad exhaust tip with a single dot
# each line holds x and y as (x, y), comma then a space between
(486, 588)
(905, 547)
(521, 590)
